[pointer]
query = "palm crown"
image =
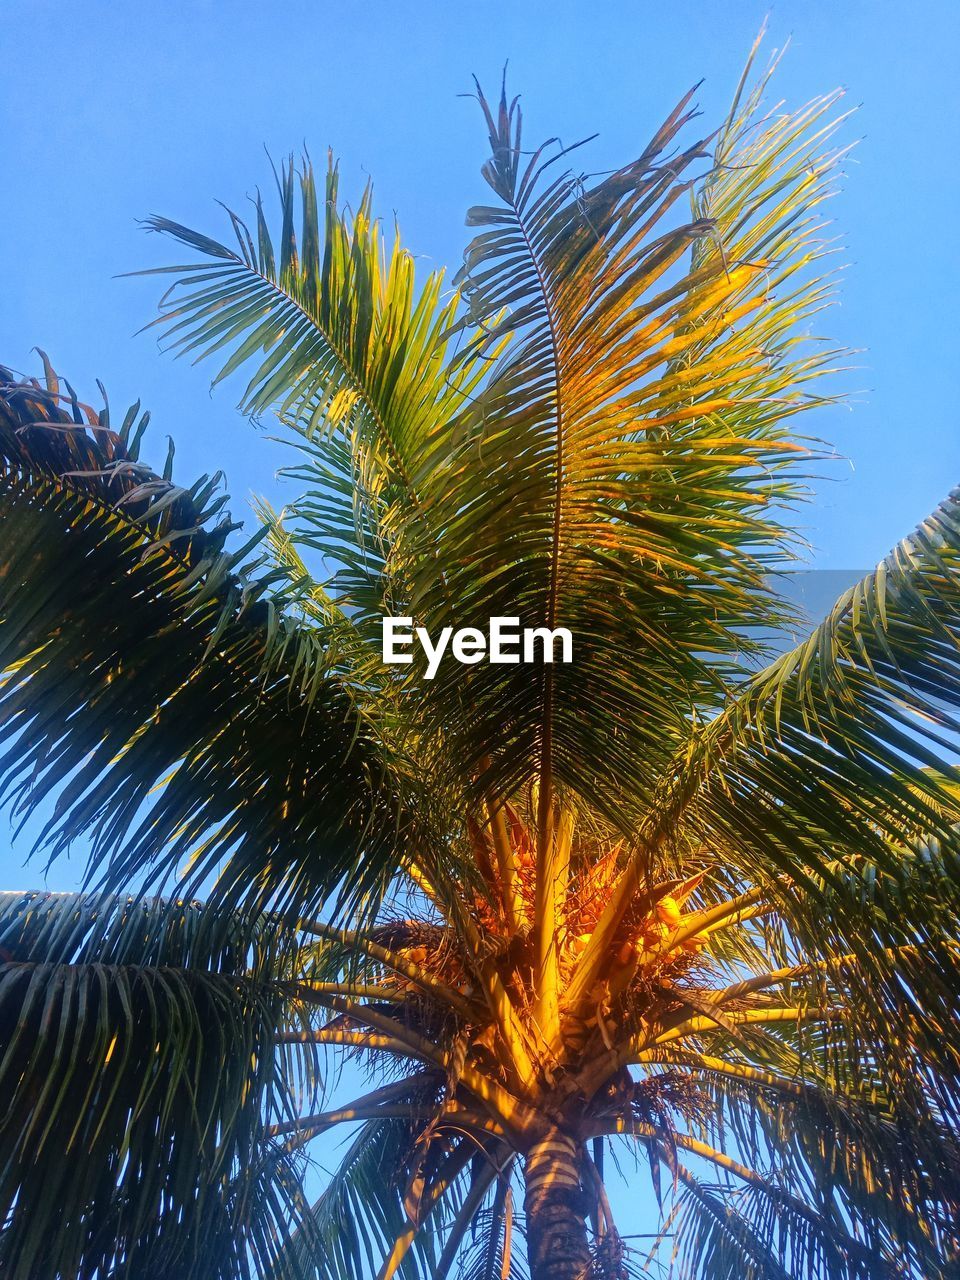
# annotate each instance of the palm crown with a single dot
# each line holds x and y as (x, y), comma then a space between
(663, 896)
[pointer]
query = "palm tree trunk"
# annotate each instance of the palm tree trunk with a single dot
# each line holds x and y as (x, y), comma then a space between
(556, 1209)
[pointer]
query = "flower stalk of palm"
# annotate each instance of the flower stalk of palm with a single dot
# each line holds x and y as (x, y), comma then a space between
(664, 897)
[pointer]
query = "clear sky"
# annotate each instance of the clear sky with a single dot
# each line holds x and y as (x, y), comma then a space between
(110, 112)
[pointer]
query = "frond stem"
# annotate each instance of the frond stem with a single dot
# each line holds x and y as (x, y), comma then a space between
(393, 960)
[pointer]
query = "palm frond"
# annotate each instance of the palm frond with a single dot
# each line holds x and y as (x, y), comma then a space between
(485, 1256)
(875, 1175)
(137, 1071)
(824, 781)
(619, 471)
(153, 687)
(351, 358)
(365, 1208)
(719, 1238)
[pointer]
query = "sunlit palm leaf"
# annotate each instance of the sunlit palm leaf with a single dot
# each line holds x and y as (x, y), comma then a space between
(619, 471)
(351, 358)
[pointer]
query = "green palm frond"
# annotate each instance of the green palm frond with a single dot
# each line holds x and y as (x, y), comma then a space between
(874, 1174)
(874, 689)
(364, 1213)
(137, 1072)
(825, 778)
(721, 1238)
(154, 687)
(351, 358)
(357, 1217)
(488, 1255)
(619, 473)
(835, 1195)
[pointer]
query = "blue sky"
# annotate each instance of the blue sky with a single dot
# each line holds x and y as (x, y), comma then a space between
(109, 113)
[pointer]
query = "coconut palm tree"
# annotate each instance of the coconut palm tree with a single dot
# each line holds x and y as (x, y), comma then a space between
(671, 900)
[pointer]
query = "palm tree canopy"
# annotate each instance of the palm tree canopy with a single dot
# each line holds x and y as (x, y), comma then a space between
(664, 896)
